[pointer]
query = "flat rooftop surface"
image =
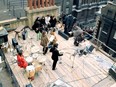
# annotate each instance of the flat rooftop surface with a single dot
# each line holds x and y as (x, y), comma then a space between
(89, 70)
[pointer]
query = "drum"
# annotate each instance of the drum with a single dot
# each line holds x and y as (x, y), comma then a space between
(35, 55)
(35, 49)
(29, 60)
(41, 60)
(26, 53)
(30, 71)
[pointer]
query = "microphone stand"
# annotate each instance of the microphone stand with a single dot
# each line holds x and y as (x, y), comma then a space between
(75, 53)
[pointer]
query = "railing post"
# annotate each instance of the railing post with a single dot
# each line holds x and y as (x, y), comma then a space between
(9, 6)
(23, 4)
(4, 2)
(7, 3)
(13, 11)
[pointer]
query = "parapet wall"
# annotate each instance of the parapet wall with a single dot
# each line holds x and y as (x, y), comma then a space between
(34, 13)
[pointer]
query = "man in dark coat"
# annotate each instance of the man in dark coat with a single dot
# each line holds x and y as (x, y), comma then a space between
(53, 21)
(55, 54)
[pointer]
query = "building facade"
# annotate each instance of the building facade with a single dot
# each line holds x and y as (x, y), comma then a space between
(65, 6)
(85, 10)
(107, 28)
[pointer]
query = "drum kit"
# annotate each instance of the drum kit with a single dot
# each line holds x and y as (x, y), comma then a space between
(35, 57)
(29, 60)
(30, 71)
(34, 65)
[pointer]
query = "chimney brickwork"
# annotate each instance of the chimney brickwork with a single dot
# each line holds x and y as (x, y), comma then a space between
(34, 4)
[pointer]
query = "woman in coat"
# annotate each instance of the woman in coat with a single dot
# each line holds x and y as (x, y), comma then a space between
(44, 42)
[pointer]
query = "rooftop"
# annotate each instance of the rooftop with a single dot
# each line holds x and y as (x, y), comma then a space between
(89, 70)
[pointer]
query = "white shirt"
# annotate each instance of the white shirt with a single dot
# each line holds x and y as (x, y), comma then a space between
(47, 19)
(52, 37)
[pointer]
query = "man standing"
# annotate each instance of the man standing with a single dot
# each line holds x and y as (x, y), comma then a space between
(55, 54)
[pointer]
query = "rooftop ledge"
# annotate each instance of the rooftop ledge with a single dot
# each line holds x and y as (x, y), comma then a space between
(41, 9)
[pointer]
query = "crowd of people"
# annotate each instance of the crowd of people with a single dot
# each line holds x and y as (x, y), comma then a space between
(44, 24)
(47, 25)
(44, 27)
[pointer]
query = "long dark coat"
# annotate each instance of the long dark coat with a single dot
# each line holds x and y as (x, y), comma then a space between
(55, 54)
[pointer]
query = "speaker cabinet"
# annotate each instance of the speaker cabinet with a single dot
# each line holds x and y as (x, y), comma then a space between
(3, 36)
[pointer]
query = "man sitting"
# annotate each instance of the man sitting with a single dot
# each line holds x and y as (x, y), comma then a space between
(21, 61)
(85, 47)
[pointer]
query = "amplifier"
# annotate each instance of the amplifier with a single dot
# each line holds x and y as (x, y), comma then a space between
(3, 36)
(63, 35)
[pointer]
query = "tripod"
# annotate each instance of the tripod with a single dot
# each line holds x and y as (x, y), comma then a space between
(74, 55)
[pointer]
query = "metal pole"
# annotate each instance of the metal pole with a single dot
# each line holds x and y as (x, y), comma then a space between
(23, 4)
(7, 4)
(4, 2)
(20, 15)
(13, 11)
(87, 12)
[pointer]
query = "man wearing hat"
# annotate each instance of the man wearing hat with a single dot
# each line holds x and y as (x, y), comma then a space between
(55, 54)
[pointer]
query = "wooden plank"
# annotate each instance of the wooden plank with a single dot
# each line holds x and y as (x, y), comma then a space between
(85, 72)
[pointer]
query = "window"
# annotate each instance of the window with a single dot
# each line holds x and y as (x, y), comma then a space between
(114, 35)
(67, 10)
(83, 1)
(67, 3)
(106, 28)
(109, 13)
(59, 9)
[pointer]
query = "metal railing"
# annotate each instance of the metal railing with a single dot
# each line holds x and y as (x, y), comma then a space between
(103, 47)
(16, 7)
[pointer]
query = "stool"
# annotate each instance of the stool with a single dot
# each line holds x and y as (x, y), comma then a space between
(30, 72)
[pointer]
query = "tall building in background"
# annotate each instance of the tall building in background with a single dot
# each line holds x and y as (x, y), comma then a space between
(65, 6)
(85, 10)
(107, 28)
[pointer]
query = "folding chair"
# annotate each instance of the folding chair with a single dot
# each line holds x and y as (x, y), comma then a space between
(90, 49)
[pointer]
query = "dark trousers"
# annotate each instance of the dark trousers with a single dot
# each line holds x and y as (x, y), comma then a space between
(45, 49)
(54, 64)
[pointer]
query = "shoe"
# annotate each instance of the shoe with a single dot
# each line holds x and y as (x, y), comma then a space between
(80, 54)
(44, 53)
(54, 69)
